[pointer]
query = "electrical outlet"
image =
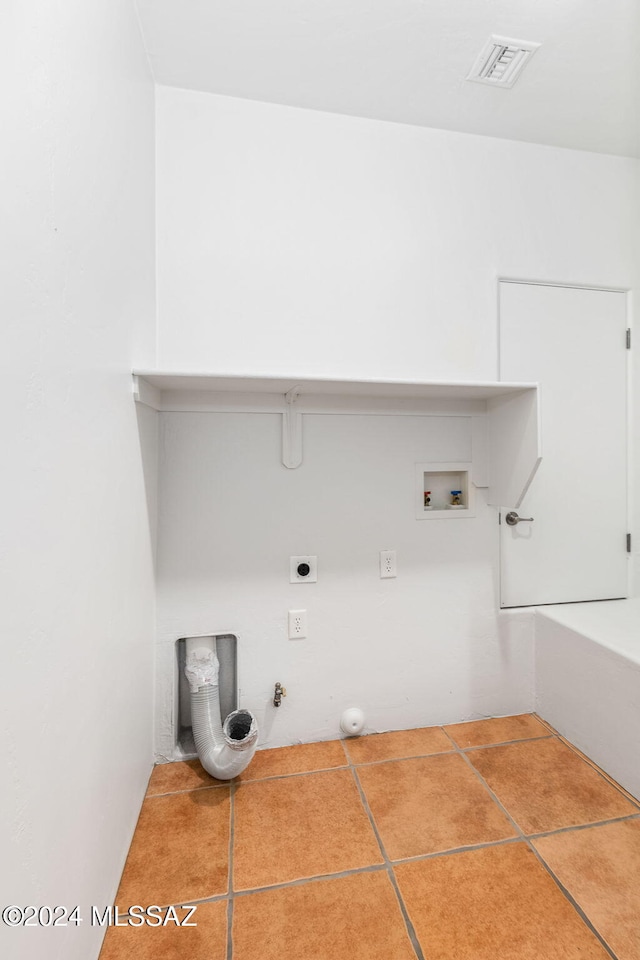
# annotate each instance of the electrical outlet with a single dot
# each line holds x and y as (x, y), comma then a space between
(387, 564)
(297, 624)
(303, 569)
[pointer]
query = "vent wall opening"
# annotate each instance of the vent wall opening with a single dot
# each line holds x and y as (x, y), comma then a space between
(501, 61)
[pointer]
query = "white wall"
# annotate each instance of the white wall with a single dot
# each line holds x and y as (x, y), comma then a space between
(296, 242)
(427, 647)
(75, 547)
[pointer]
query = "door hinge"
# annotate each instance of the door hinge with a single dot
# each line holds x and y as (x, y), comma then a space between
(628, 338)
(499, 518)
(628, 543)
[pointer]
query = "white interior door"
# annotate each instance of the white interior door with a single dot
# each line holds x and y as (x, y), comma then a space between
(573, 342)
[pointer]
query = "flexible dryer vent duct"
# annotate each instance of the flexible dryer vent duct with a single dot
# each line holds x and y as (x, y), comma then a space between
(225, 750)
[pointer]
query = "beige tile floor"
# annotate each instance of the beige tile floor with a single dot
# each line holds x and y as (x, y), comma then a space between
(475, 841)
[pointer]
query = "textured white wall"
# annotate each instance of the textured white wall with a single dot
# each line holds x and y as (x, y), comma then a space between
(427, 647)
(76, 564)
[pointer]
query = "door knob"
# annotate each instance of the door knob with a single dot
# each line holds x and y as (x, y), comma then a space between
(512, 519)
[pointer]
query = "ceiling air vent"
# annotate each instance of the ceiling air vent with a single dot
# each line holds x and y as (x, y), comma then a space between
(501, 61)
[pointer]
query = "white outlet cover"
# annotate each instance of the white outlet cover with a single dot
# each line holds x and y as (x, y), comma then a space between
(297, 624)
(295, 577)
(388, 568)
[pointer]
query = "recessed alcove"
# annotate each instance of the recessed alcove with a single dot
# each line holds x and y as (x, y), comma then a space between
(440, 481)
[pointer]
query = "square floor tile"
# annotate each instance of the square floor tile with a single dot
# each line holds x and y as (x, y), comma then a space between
(480, 733)
(497, 903)
(350, 918)
(300, 758)
(544, 785)
(427, 804)
(397, 744)
(180, 849)
(206, 941)
(600, 867)
(305, 826)
(180, 775)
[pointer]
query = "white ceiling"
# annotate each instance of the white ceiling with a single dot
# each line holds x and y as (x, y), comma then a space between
(406, 61)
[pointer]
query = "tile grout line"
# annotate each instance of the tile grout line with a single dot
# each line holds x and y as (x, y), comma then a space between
(582, 826)
(452, 851)
(594, 766)
(275, 776)
(538, 857)
(501, 743)
(573, 903)
(175, 793)
(413, 937)
(601, 773)
(545, 723)
(373, 868)
(232, 830)
(237, 894)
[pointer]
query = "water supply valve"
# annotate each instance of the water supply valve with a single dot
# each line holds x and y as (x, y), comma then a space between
(279, 693)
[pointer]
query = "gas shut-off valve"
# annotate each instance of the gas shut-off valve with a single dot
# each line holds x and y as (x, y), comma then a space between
(279, 693)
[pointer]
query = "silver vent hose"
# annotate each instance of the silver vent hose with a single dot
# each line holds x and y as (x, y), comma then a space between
(224, 750)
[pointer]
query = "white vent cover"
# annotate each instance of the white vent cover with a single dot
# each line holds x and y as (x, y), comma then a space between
(501, 61)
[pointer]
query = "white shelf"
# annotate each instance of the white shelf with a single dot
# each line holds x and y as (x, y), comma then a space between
(506, 445)
(169, 389)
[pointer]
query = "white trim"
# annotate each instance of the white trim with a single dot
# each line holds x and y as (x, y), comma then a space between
(563, 283)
